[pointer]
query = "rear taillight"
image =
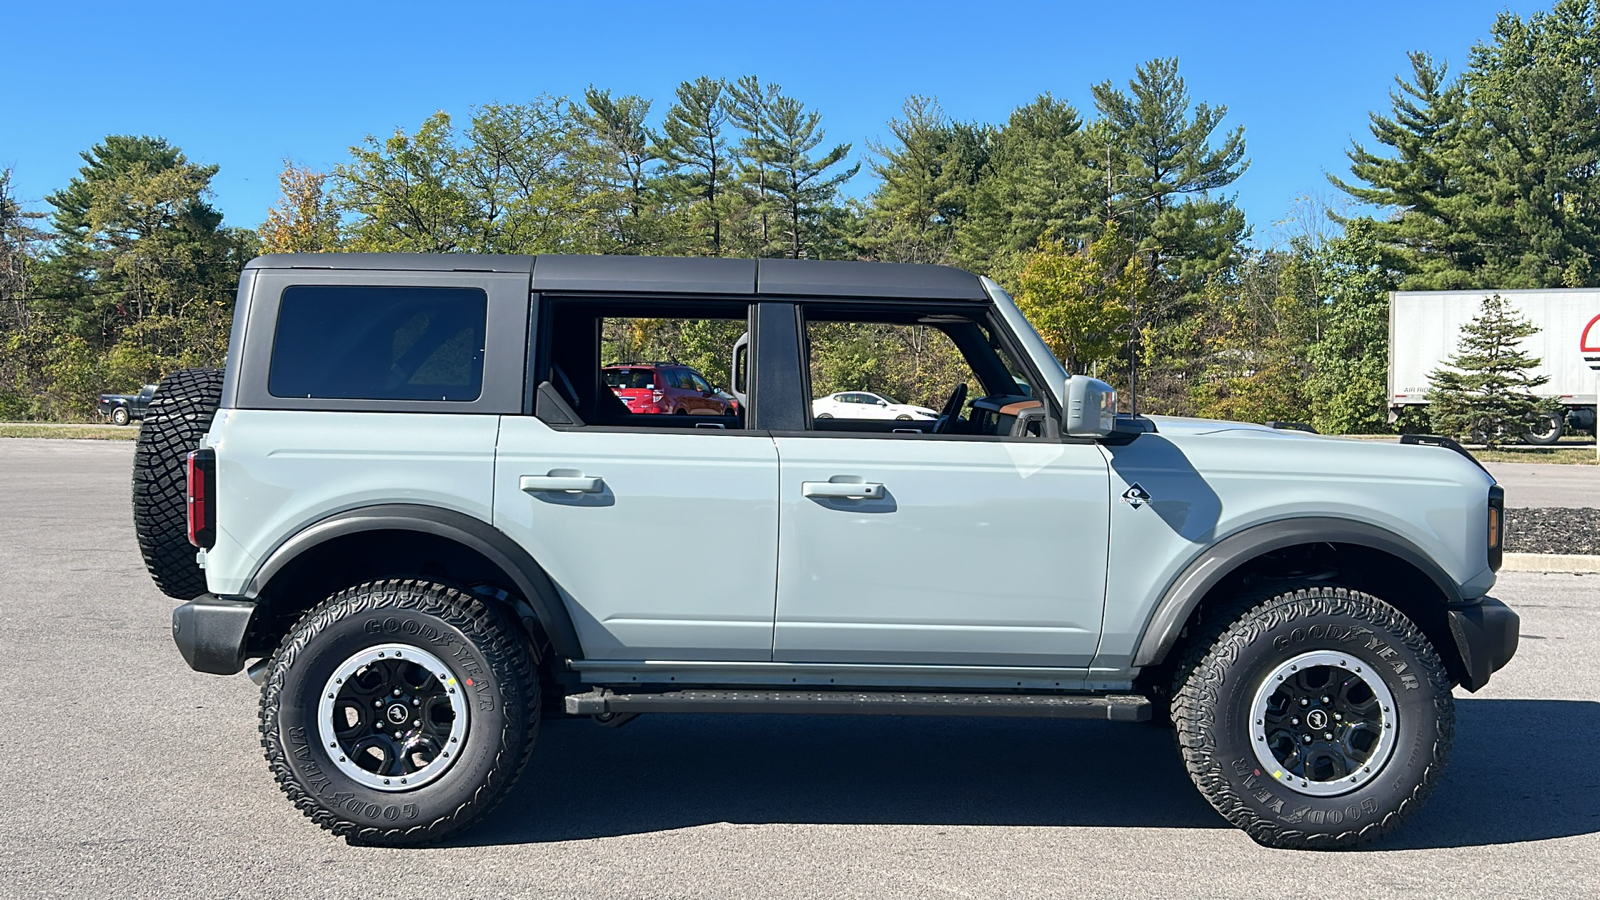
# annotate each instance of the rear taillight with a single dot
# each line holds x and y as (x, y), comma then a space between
(655, 396)
(202, 493)
(1497, 526)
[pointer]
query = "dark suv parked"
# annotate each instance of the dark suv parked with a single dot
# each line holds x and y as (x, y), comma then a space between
(667, 388)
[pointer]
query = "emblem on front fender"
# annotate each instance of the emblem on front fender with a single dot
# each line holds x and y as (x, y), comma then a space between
(1136, 496)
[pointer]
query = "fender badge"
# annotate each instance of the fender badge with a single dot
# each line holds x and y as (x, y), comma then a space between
(1136, 496)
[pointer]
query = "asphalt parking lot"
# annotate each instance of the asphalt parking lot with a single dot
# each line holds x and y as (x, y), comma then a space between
(127, 775)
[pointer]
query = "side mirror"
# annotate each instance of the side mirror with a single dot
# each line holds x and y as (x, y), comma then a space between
(1091, 408)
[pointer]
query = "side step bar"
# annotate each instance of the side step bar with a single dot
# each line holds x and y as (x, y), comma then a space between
(1113, 707)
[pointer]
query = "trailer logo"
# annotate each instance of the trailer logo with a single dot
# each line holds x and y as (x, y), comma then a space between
(1589, 344)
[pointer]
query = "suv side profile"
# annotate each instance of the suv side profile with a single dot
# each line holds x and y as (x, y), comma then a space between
(406, 490)
(653, 388)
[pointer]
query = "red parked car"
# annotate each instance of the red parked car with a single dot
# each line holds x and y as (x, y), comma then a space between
(667, 388)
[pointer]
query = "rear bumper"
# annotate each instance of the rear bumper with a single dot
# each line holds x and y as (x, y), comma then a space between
(210, 633)
(1486, 636)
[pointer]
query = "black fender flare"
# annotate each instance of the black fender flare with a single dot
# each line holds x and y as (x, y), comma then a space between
(527, 576)
(1220, 559)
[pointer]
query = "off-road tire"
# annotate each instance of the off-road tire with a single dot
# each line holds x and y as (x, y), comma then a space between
(472, 637)
(179, 416)
(120, 416)
(1212, 695)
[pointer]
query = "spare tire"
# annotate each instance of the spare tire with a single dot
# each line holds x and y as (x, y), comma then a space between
(179, 416)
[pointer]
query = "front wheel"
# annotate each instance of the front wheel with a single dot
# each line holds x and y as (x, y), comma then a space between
(399, 712)
(1319, 718)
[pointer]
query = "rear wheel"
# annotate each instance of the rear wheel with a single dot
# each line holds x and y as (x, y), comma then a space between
(119, 416)
(1319, 718)
(179, 416)
(1547, 429)
(399, 712)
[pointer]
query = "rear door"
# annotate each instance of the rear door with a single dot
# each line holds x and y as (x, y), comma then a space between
(660, 532)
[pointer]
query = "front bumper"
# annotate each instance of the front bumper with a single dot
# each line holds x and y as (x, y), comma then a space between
(210, 633)
(1486, 638)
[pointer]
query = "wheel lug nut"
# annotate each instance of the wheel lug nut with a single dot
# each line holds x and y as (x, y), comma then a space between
(1327, 700)
(1304, 702)
(1295, 721)
(397, 692)
(1338, 717)
(1327, 736)
(1307, 738)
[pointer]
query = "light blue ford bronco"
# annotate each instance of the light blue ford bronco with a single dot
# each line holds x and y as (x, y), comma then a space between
(426, 522)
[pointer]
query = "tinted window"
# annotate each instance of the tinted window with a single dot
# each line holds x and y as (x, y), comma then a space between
(379, 343)
(630, 379)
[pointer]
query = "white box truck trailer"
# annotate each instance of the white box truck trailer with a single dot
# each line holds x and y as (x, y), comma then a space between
(1425, 331)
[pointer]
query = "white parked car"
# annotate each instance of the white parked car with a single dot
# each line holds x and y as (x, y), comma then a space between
(867, 405)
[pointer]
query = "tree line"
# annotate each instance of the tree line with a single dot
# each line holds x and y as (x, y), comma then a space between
(1114, 226)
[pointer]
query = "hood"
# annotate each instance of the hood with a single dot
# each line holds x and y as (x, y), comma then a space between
(1180, 425)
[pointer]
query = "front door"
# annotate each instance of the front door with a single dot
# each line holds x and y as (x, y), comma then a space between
(949, 552)
(977, 540)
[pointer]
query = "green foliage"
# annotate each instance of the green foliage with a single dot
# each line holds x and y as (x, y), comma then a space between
(1486, 394)
(1037, 189)
(927, 175)
(306, 218)
(802, 188)
(1348, 383)
(1258, 328)
(1106, 223)
(906, 363)
(1489, 177)
(1160, 171)
(141, 274)
(1081, 302)
(694, 147)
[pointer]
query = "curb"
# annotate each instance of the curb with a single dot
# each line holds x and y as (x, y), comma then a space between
(1549, 562)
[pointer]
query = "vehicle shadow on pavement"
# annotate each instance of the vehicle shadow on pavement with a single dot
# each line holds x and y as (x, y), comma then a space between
(1521, 770)
(666, 772)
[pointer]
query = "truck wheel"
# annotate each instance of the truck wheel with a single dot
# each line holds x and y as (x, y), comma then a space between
(1547, 429)
(399, 712)
(179, 416)
(119, 416)
(1319, 718)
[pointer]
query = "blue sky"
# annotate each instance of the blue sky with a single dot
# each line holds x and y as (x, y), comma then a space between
(244, 85)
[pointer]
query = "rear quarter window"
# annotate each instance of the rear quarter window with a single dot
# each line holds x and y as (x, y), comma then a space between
(379, 343)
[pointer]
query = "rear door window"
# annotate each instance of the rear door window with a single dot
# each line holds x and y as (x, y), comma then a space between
(379, 343)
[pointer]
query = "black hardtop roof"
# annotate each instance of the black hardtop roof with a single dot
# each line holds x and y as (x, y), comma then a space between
(669, 275)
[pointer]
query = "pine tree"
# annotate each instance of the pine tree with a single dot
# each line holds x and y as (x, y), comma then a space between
(1160, 169)
(1427, 180)
(694, 146)
(927, 173)
(1035, 189)
(750, 106)
(616, 153)
(1486, 394)
(800, 182)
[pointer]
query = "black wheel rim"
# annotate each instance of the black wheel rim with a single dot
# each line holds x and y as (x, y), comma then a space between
(393, 717)
(1323, 723)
